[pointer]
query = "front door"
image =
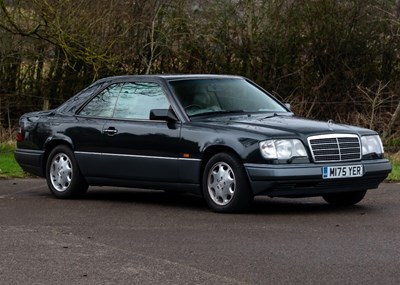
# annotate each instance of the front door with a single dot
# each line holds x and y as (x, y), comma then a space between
(137, 148)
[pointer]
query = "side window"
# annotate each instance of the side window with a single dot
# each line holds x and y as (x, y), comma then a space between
(137, 99)
(73, 104)
(103, 104)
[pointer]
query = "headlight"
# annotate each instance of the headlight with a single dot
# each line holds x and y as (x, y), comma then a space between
(282, 149)
(371, 144)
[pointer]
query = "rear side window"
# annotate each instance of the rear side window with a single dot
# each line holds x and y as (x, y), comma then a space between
(73, 104)
(104, 103)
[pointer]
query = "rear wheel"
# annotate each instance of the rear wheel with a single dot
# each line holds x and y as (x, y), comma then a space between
(225, 184)
(62, 174)
(344, 199)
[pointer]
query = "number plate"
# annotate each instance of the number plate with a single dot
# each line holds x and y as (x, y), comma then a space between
(329, 172)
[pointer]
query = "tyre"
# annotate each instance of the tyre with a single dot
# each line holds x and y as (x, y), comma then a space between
(62, 174)
(225, 184)
(344, 199)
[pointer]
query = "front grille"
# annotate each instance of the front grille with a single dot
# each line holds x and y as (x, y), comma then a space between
(335, 147)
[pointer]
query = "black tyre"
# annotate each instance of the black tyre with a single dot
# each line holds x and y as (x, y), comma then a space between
(62, 174)
(225, 184)
(344, 199)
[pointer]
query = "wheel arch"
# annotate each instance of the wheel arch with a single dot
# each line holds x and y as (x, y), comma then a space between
(243, 195)
(52, 143)
(211, 151)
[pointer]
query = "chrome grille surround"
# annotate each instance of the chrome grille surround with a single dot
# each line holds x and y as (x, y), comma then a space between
(335, 147)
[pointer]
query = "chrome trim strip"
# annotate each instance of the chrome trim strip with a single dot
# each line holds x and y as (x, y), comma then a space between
(138, 156)
(188, 159)
(30, 151)
(85, 152)
(334, 136)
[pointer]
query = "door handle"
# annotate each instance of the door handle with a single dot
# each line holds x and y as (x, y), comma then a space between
(110, 131)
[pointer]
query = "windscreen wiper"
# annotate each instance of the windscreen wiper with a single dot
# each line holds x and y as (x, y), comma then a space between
(219, 112)
(270, 116)
(275, 115)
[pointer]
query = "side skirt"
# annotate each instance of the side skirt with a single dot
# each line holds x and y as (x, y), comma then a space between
(167, 186)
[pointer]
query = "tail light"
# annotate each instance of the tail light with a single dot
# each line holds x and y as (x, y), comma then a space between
(19, 135)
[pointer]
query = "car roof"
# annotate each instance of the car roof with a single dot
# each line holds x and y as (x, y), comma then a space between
(170, 77)
(198, 76)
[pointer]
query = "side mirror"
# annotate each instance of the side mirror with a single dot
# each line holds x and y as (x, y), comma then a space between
(287, 105)
(163, 115)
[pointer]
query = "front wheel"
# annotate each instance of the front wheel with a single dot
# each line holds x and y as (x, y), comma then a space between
(62, 174)
(225, 184)
(344, 199)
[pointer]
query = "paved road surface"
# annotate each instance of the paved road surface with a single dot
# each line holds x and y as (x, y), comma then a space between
(122, 236)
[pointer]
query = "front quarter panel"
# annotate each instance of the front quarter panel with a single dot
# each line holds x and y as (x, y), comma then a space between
(197, 138)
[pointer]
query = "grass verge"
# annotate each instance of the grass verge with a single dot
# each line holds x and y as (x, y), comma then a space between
(394, 176)
(9, 168)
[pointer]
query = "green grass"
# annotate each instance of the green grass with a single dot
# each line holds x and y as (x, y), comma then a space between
(9, 168)
(395, 174)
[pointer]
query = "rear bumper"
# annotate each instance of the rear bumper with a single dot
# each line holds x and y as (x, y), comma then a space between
(30, 161)
(305, 180)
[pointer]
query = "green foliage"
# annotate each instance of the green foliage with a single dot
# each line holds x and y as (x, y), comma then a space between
(331, 59)
(393, 142)
(395, 174)
(8, 166)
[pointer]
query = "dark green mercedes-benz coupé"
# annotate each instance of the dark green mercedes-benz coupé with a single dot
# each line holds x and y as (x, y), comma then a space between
(222, 137)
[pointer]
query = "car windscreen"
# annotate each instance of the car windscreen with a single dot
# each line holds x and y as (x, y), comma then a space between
(223, 95)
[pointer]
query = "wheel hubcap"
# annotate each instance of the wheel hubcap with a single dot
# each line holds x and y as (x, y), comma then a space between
(61, 172)
(221, 183)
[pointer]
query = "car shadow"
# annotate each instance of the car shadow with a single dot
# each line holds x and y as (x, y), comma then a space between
(291, 206)
(146, 197)
(261, 205)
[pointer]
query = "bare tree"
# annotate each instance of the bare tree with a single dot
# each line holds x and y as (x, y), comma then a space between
(317, 54)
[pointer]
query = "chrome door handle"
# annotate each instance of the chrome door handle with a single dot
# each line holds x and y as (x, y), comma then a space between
(110, 131)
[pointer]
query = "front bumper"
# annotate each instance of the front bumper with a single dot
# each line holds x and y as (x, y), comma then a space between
(305, 180)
